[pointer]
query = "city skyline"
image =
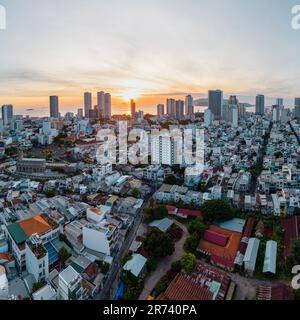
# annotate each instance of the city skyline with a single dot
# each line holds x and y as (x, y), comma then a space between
(109, 53)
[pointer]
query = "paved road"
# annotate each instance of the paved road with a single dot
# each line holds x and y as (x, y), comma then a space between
(165, 264)
(113, 277)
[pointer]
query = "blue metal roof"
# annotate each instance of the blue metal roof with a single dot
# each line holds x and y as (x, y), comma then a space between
(235, 224)
(52, 253)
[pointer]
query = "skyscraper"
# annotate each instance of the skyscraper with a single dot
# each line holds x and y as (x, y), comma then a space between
(100, 103)
(297, 108)
(260, 105)
(87, 103)
(107, 106)
(54, 108)
(279, 102)
(276, 113)
(80, 113)
(171, 107)
(215, 102)
(132, 108)
(189, 105)
(7, 114)
(160, 110)
(179, 109)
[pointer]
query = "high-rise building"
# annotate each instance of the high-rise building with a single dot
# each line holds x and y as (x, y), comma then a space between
(107, 106)
(54, 107)
(7, 114)
(132, 108)
(234, 115)
(164, 150)
(260, 105)
(160, 110)
(215, 102)
(297, 108)
(80, 113)
(241, 110)
(208, 117)
(233, 100)
(230, 111)
(276, 113)
(100, 103)
(87, 103)
(279, 102)
(179, 109)
(171, 107)
(189, 105)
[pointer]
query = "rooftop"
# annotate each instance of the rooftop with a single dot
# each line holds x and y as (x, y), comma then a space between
(136, 264)
(163, 224)
(69, 275)
(235, 224)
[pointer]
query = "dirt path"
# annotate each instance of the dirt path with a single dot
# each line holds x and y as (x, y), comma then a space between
(165, 264)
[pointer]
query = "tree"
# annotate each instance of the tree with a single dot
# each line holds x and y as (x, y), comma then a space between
(217, 210)
(191, 243)
(64, 254)
(197, 226)
(157, 213)
(297, 212)
(158, 244)
(188, 262)
(37, 286)
(104, 266)
(171, 180)
(296, 251)
(127, 258)
(136, 193)
(255, 171)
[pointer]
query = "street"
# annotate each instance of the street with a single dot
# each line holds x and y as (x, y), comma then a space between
(113, 278)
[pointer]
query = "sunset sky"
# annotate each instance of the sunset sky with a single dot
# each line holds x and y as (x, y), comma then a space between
(147, 50)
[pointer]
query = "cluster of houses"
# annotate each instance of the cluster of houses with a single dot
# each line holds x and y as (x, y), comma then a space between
(91, 226)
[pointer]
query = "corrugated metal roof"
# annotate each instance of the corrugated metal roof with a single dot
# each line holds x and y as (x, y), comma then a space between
(136, 264)
(163, 225)
(251, 254)
(270, 257)
(17, 233)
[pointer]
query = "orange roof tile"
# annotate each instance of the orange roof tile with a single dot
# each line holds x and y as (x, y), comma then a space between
(34, 225)
(229, 251)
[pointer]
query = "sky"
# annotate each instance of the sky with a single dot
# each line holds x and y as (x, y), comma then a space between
(147, 50)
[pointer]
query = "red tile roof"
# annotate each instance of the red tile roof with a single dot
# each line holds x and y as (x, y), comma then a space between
(222, 261)
(171, 208)
(216, 238)
(249, 228)
(190, 213)
(229, 251)
(184, 288)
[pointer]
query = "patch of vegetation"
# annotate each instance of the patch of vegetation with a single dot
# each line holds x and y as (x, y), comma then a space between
(133, 286)
(158, 244)
(188, 262)
(191, 243)
(37, 286)
(217, 210)
(155, 213)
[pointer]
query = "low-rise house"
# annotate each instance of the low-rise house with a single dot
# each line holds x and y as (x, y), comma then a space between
(163, 225)
(136, 265)
(46, 293)
(18, 233)
(70, 285)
